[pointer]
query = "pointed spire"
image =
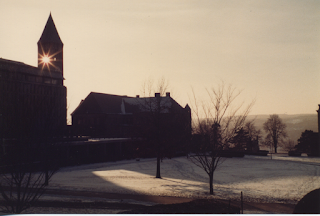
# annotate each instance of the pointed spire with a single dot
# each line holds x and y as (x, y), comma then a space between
(50, 33)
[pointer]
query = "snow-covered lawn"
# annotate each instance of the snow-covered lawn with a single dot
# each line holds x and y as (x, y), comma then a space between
(282, 179)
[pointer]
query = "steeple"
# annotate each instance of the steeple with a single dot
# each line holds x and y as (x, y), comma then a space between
(50, 48)
(50, 33)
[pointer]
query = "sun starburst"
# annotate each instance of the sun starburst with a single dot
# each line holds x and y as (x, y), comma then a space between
(47, 59)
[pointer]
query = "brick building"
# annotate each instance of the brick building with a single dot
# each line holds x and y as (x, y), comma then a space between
(105, 115)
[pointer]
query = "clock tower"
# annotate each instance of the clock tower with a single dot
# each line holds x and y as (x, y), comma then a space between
(50, 49)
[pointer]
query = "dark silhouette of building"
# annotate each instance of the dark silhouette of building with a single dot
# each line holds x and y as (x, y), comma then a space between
(105, 115)
(33, 111)
(318, 111)
(50, 50)
(33, 99)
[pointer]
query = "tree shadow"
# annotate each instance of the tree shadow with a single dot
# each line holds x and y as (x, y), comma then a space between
(179, 176)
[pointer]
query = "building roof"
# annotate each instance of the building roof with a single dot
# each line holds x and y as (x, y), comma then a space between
(108, 103)
(14, 66)
(116, 104)
(100, 103)
(132, 105)
(50, 33)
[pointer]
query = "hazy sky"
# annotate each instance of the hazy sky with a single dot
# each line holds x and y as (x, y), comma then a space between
(270, 49)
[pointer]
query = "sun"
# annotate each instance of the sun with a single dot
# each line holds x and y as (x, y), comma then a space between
(45, 59)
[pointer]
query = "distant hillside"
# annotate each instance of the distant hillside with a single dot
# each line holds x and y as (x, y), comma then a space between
(296, 124)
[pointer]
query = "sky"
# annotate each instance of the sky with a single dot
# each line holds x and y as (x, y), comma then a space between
(269, 49)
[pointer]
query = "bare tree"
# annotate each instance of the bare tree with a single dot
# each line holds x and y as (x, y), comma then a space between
(155, 108)
(30, 156)
(276, 131)
(215, 125)
(149, 87)
(289, 145)
(162, 123)
(23, 180)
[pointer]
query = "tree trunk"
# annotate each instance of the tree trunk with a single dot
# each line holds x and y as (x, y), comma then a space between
(211, 183)
(158, 166)
(275, 141)
(46, 183)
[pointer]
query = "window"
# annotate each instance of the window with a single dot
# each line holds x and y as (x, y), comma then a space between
(47, 81)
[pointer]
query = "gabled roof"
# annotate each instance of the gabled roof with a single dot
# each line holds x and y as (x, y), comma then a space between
(116, 104)
(100, 103)
(108, 103)
(50, 33)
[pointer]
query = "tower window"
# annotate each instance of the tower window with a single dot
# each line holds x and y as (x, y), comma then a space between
(47, 81)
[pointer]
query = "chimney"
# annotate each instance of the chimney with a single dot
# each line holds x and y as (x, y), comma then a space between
(157, 95)
(168, 94)
(137, 96)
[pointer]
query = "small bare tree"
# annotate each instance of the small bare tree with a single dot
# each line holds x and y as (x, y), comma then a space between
(30, 158)
(162, 122)
(215, 124)
(149, 87)
(153, 125)
(276, 131)
(289, 145)
(23, 180)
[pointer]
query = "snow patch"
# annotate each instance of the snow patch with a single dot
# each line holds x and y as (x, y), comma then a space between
(282, 179)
